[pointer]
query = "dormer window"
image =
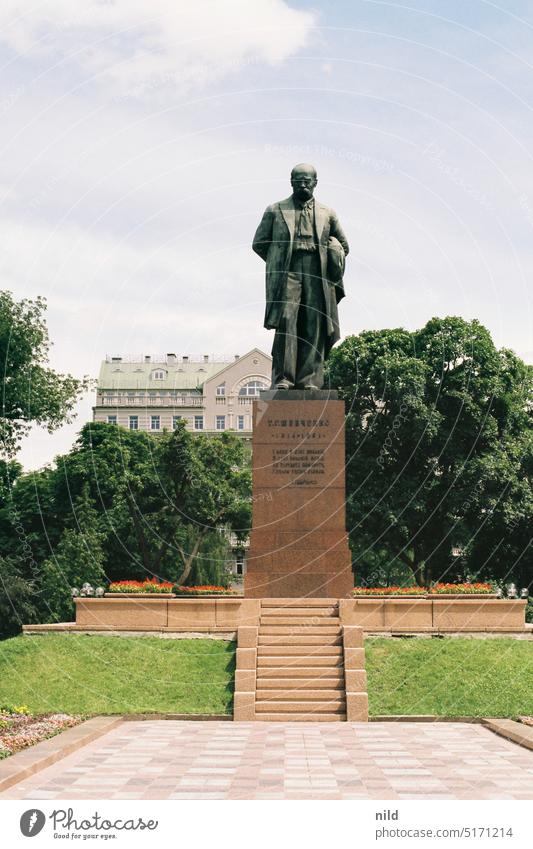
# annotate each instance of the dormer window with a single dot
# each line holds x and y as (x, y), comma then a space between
(158, 374)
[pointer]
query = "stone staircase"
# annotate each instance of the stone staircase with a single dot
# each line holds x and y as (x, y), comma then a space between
(299, 664)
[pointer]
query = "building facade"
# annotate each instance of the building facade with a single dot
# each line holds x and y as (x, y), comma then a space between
(153, 394)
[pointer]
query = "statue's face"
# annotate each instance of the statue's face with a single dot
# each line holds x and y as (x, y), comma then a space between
(303, 182)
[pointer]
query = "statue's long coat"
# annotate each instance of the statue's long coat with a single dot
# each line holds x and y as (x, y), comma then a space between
(273, 242)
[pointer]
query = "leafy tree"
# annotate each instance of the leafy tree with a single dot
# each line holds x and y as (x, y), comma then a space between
(32, 392)
(161, 497)
(212, 562)
(77, 559)
(438, 435)
(17, 563)
(16, 599)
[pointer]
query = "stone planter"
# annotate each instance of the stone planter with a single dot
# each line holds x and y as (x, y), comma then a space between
(458, 596)
(148, 612)
(137, 614)
(434, 613)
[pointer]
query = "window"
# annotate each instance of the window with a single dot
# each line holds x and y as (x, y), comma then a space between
(221, 389)
(198, 422)
(158, 374)
(155, 422)
(253, 388)
(240, 422)
(175, 421)
(134, 422)
(239, 563)
(111, 419)
(220, 422)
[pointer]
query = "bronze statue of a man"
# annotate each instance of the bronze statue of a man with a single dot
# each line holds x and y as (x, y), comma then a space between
(304, 247)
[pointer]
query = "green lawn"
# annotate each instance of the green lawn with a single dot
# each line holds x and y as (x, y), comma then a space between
(82, 674)
(450, 676)
(92, 674)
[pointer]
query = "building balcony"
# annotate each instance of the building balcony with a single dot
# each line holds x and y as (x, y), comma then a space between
(149, 401)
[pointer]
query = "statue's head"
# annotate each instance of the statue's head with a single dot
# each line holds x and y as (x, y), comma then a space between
(303, 181)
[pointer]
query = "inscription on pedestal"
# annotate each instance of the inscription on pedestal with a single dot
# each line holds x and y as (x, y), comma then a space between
(299, 466)
(298, 544)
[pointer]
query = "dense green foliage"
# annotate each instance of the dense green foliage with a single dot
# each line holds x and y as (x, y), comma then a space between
(439, 473)
(450, 676)
(32, 392)
(439, 438)
(122, 504)
(78, 558)
(94, 675)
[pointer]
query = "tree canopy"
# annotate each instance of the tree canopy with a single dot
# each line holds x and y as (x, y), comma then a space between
(439, 436)
(32, 392)
(123, 504)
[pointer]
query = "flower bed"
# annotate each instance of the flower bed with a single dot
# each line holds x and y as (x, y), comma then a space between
(140, 587)
(19, 729)
(386, 591)
(462, 589)
(436, 589)
(204, 590)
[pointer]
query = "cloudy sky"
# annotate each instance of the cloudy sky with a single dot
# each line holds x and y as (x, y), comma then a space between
(142, 141)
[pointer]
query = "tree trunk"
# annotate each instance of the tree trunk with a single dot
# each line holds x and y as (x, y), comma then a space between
(188, 560)
(422, 573)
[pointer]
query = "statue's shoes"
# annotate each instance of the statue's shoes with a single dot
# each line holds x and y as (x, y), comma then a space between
(311, 387)
(283, 384)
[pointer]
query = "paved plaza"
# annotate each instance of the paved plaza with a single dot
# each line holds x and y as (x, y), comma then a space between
(299, 760)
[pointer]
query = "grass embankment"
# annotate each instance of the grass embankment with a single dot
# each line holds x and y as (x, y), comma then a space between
(450, 677)
(89, 675)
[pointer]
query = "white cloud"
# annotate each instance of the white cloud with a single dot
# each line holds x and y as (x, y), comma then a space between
(136, 46)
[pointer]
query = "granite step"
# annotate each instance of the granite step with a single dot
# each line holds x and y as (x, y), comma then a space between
(299, 684)
(318, 622)
(299, 602)
(301, 717)
(286, 649)
(296, 662)
(293, 695)
(295, 630)
(308, 612)
(300, 706)
(317, 673)
(300, 640)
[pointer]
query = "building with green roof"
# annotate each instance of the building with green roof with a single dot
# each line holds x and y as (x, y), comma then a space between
(154, 393)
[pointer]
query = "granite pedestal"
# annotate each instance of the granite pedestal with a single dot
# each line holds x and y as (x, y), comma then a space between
(298, 545)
